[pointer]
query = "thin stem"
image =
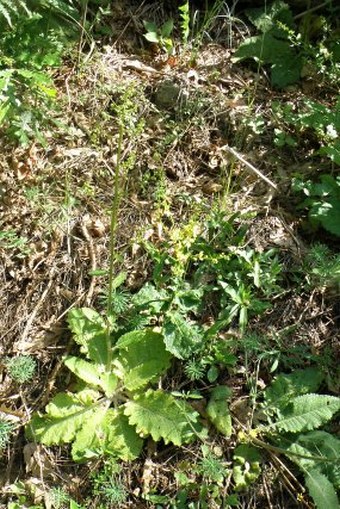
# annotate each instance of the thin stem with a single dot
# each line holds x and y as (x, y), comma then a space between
(113, 231)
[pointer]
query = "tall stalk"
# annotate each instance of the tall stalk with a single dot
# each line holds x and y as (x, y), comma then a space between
(113, 234)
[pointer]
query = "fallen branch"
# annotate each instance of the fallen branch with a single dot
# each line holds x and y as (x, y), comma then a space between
(250, 166)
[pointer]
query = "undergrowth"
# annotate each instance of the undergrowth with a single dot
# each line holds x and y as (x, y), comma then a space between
(189, 362)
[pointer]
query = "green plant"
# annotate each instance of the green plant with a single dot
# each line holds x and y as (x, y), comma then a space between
(322, 267)
(9, 240)
(6, 429)
(184, 13)
(289, 418)
(59, 498)
(322, 202)
(113, 407)
(202, 481)
(107, 485)
(320, 122)
(21, 368)
(160, 35)
(274, 45)
(55, 498)
(33, 38)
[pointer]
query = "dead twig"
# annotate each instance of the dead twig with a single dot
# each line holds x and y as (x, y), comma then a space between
(250, 166)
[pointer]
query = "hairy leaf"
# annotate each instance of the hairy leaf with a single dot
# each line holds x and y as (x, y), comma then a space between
(65, 415)
(92, 374)
(218, 409)
(149, 297)
(284, 387)
(181, 337)
(88, 439)
(142, 358)
(316, 450)
(321, 490)
(160, 415)
(121, 439)
(89, 331)
(306, 412)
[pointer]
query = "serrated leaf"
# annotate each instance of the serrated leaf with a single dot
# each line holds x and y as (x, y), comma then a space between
(89, 438)
(86, 371)
(316, 450)
(160, 415)
(65, 416)
(148, 296)
(321, 490)
(306, 412)
(121, 439)
(142, 358)
(218, 409)
(181, 337)
(284, 387)
(92, 374)
(90, 331)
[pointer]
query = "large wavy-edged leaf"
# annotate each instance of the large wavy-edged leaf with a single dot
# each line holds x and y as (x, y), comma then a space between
(90, 332)
(160, 415)
(306, 412)
(284, 387)
(92, 374)
(86, 371)
(142, 358)
(321, 490)
(218, 409)
(121, 439)
(269, 49)
(89, 438)
(65, 416)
